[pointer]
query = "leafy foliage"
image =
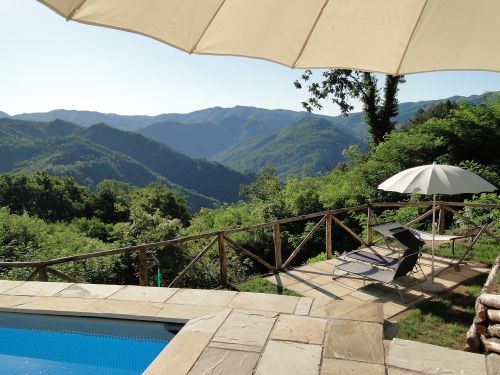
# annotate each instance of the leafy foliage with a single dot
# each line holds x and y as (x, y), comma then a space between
(343, 85)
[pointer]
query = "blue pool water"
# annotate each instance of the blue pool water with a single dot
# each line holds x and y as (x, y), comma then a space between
(39, 351)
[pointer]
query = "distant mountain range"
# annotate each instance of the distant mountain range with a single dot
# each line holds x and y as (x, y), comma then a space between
(102, 152)
(243, 138)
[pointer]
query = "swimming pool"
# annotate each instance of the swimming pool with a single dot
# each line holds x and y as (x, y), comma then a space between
(43, 344)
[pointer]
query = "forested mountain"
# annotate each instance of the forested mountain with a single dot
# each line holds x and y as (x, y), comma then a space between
(211, 131)
(245, 138)
(89, 118)
(101, 152)
(314, 145)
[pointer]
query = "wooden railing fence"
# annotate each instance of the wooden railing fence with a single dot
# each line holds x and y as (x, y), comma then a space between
(41, 269)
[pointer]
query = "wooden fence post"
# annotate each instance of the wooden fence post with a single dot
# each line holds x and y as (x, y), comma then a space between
(328, 236)
(42, 274)
(143, 267)
(369, 224)
(277, 247)
(222, 260)
(441, 219)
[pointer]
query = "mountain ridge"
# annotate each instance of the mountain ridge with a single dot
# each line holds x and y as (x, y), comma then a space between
(102, 152)
(308, 145)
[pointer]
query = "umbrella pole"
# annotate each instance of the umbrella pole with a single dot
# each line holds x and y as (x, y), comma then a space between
(433, 234)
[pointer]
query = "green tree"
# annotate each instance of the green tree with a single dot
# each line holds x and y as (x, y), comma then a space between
(112, 203)
(168, 202)
(344, 85)
(49, 198)
(439, 110)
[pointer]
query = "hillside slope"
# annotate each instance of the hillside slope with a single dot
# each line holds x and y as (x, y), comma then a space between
(314, 144)
(208, 132)
(207, 177)
(101, 152)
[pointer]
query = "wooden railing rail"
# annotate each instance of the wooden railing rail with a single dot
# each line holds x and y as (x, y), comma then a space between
(327, 218)
(303, 242)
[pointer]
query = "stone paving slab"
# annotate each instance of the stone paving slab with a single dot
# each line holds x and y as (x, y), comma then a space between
(5, 285)
(9, 302)
(221, 361)
(202, 297)
(180, 354)
(244, 348)
(320, 280)
(144, 293)
(36, 288)
(391, 309)
(209, 323)
(304, 306)
(336, 289)
(350, 310)
(89, 291)
(299, 329)
(299, 275)
(302, 287)
(246, 328)
(432, 359)
(398, 371)
(493, 364)
(183, 351)
(285, 280)
(265, 302)
(309, 270)
(359, 341)
(182, 313)
(289, 358)
(333, 366)
(324, 266)
(63, 306)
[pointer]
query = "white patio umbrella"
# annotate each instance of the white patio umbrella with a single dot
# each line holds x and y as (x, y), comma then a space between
(436, 179)
(387, 36)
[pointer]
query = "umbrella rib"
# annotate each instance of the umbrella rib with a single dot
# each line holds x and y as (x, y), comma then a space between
(206, 28)
(411, 37)
(75, 9)
(310, 33)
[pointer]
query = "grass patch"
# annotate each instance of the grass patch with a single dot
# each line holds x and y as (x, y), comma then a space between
(484, 251)
(260, 285)
(318, 258)
(443, 320)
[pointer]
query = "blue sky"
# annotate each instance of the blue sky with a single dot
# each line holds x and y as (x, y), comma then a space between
(47, 63)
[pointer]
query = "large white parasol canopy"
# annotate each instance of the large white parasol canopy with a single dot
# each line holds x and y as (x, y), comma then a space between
(387, 36)
(436, 179)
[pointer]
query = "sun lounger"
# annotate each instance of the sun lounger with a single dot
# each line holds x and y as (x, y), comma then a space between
(369, 265)
(402, 235)
(444, 238)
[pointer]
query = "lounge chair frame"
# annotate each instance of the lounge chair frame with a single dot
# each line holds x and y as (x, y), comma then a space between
(405, 265)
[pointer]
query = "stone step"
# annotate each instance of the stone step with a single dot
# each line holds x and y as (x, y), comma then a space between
(418, 357)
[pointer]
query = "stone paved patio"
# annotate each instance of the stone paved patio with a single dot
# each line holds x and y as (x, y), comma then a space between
(315, 280)
(244, 333)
